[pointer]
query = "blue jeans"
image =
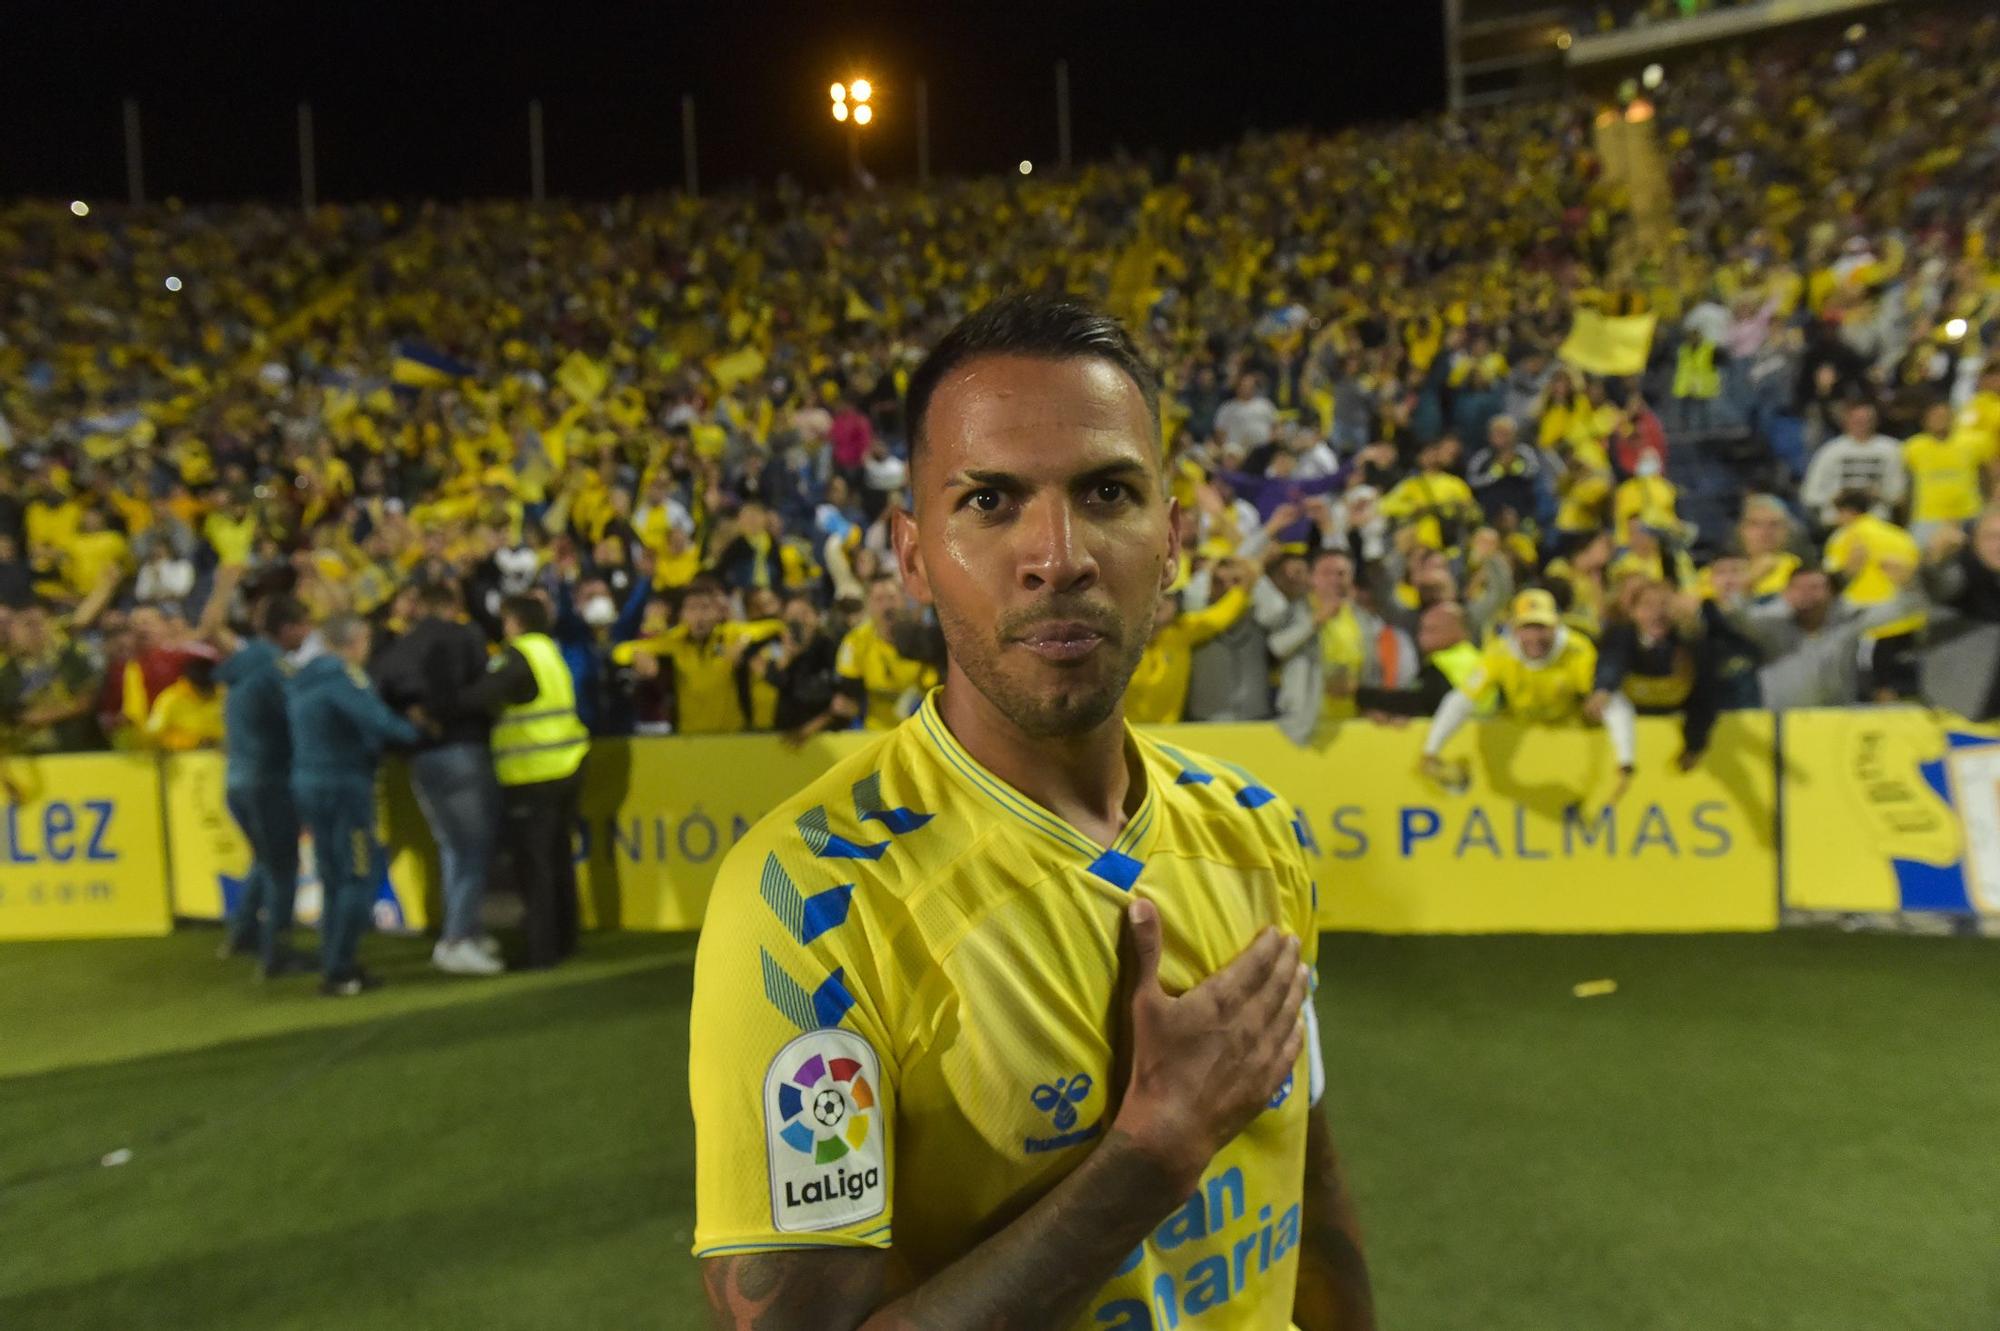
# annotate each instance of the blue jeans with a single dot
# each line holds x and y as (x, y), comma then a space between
(461, 801)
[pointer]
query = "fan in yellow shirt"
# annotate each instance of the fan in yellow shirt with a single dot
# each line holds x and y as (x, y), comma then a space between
(188, 712)
(874, 680)
(1539, 672)
(93, 552)
(1944, 467)
(1440, 505)
(1159, 687)
(1875, 556)
(704, 652)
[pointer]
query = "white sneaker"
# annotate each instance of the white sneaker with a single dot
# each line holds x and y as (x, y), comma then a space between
(487, 944)
(464, 958)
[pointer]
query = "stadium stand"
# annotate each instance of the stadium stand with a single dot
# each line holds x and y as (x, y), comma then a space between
(642, 405)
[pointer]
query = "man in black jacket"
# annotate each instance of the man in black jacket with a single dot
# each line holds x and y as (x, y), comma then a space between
(800, 667)
(431, 666)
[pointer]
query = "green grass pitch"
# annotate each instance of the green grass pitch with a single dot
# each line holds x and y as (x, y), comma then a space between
(1791, 1131)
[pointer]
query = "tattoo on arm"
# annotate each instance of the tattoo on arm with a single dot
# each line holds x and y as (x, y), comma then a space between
(1038, 1272)
(1333, 1288)
(780, 1291)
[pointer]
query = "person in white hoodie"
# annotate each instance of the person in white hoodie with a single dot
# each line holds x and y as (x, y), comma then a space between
(1859, 458)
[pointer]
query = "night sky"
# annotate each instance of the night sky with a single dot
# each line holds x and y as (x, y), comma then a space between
(429, 97)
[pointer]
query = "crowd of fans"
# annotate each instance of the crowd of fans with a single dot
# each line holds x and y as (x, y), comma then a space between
(680, 422)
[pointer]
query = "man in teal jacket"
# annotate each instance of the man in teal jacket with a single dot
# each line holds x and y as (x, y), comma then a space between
(257, 738)
(339, 729)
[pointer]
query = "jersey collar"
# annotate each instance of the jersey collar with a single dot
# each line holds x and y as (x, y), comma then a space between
(1119, 863)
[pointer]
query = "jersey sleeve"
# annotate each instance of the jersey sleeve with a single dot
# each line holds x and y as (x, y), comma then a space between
(1482, 685)
(1582, 665)
(793, 1089)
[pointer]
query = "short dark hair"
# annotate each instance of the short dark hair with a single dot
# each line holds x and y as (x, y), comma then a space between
(527, 611)
(280, 613)
(1853, 500)
(441, 596)
(1023, 324)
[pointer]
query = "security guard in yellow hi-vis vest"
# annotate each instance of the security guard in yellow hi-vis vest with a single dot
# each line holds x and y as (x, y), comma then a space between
(539, 744)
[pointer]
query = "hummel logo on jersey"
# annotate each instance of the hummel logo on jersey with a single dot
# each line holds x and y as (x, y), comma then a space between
(1059, 1099)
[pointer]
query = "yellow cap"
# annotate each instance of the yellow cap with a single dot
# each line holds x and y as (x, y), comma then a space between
(1535, 607)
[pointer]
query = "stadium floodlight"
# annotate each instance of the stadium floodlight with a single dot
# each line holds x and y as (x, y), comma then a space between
(1563, 40)
(1653, 76)
(173, 283)
(863, 89)
(1856, 31)
(863, 114)
(839, 92)
(840, 110)
(1027, 167)
(1955, 328)
(79, 207)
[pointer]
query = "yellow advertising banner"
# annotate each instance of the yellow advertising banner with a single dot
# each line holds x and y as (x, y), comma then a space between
(1531, 845)
(81, 853)
(1890, 809)
(211, 858)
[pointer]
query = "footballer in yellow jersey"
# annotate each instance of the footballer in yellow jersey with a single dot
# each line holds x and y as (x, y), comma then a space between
(1001, 1022)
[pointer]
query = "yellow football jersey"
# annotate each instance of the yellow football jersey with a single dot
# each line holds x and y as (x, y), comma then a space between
(903, 1018)
(1549, 690)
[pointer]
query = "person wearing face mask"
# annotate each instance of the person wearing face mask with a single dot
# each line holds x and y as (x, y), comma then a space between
(587, 628)
(539, 743)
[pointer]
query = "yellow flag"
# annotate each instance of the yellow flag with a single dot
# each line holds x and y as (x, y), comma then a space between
(582, 378)
(858, 310)
(732, 369)
(1608, 344)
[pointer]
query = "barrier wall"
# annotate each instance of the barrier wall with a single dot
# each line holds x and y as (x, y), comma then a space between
(210, 858)
(82, 855)
(1533, 845)
(1891, 809)
(1881, 809)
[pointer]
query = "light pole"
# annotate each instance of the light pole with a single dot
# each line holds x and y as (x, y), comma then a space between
(851, 106)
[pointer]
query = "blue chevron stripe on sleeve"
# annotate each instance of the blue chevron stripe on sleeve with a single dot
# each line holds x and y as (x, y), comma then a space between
(804, 917)
(871, 807)
(1190, 775)
(832, 1001)
(786, 994)
(820, 837)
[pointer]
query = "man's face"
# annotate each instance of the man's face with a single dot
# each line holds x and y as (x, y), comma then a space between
(29, 631)
(1292, 577)
(1332, 579)
(1535, 640)
(1440, 627)
(885, 602)
(1860, 422)
(1042, 535)
(1809, 592)
(147, 627)
(701, 614)
(1500, 433)
(801, 618)
(357, 649)
(1650, 612)
(1937, 421)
